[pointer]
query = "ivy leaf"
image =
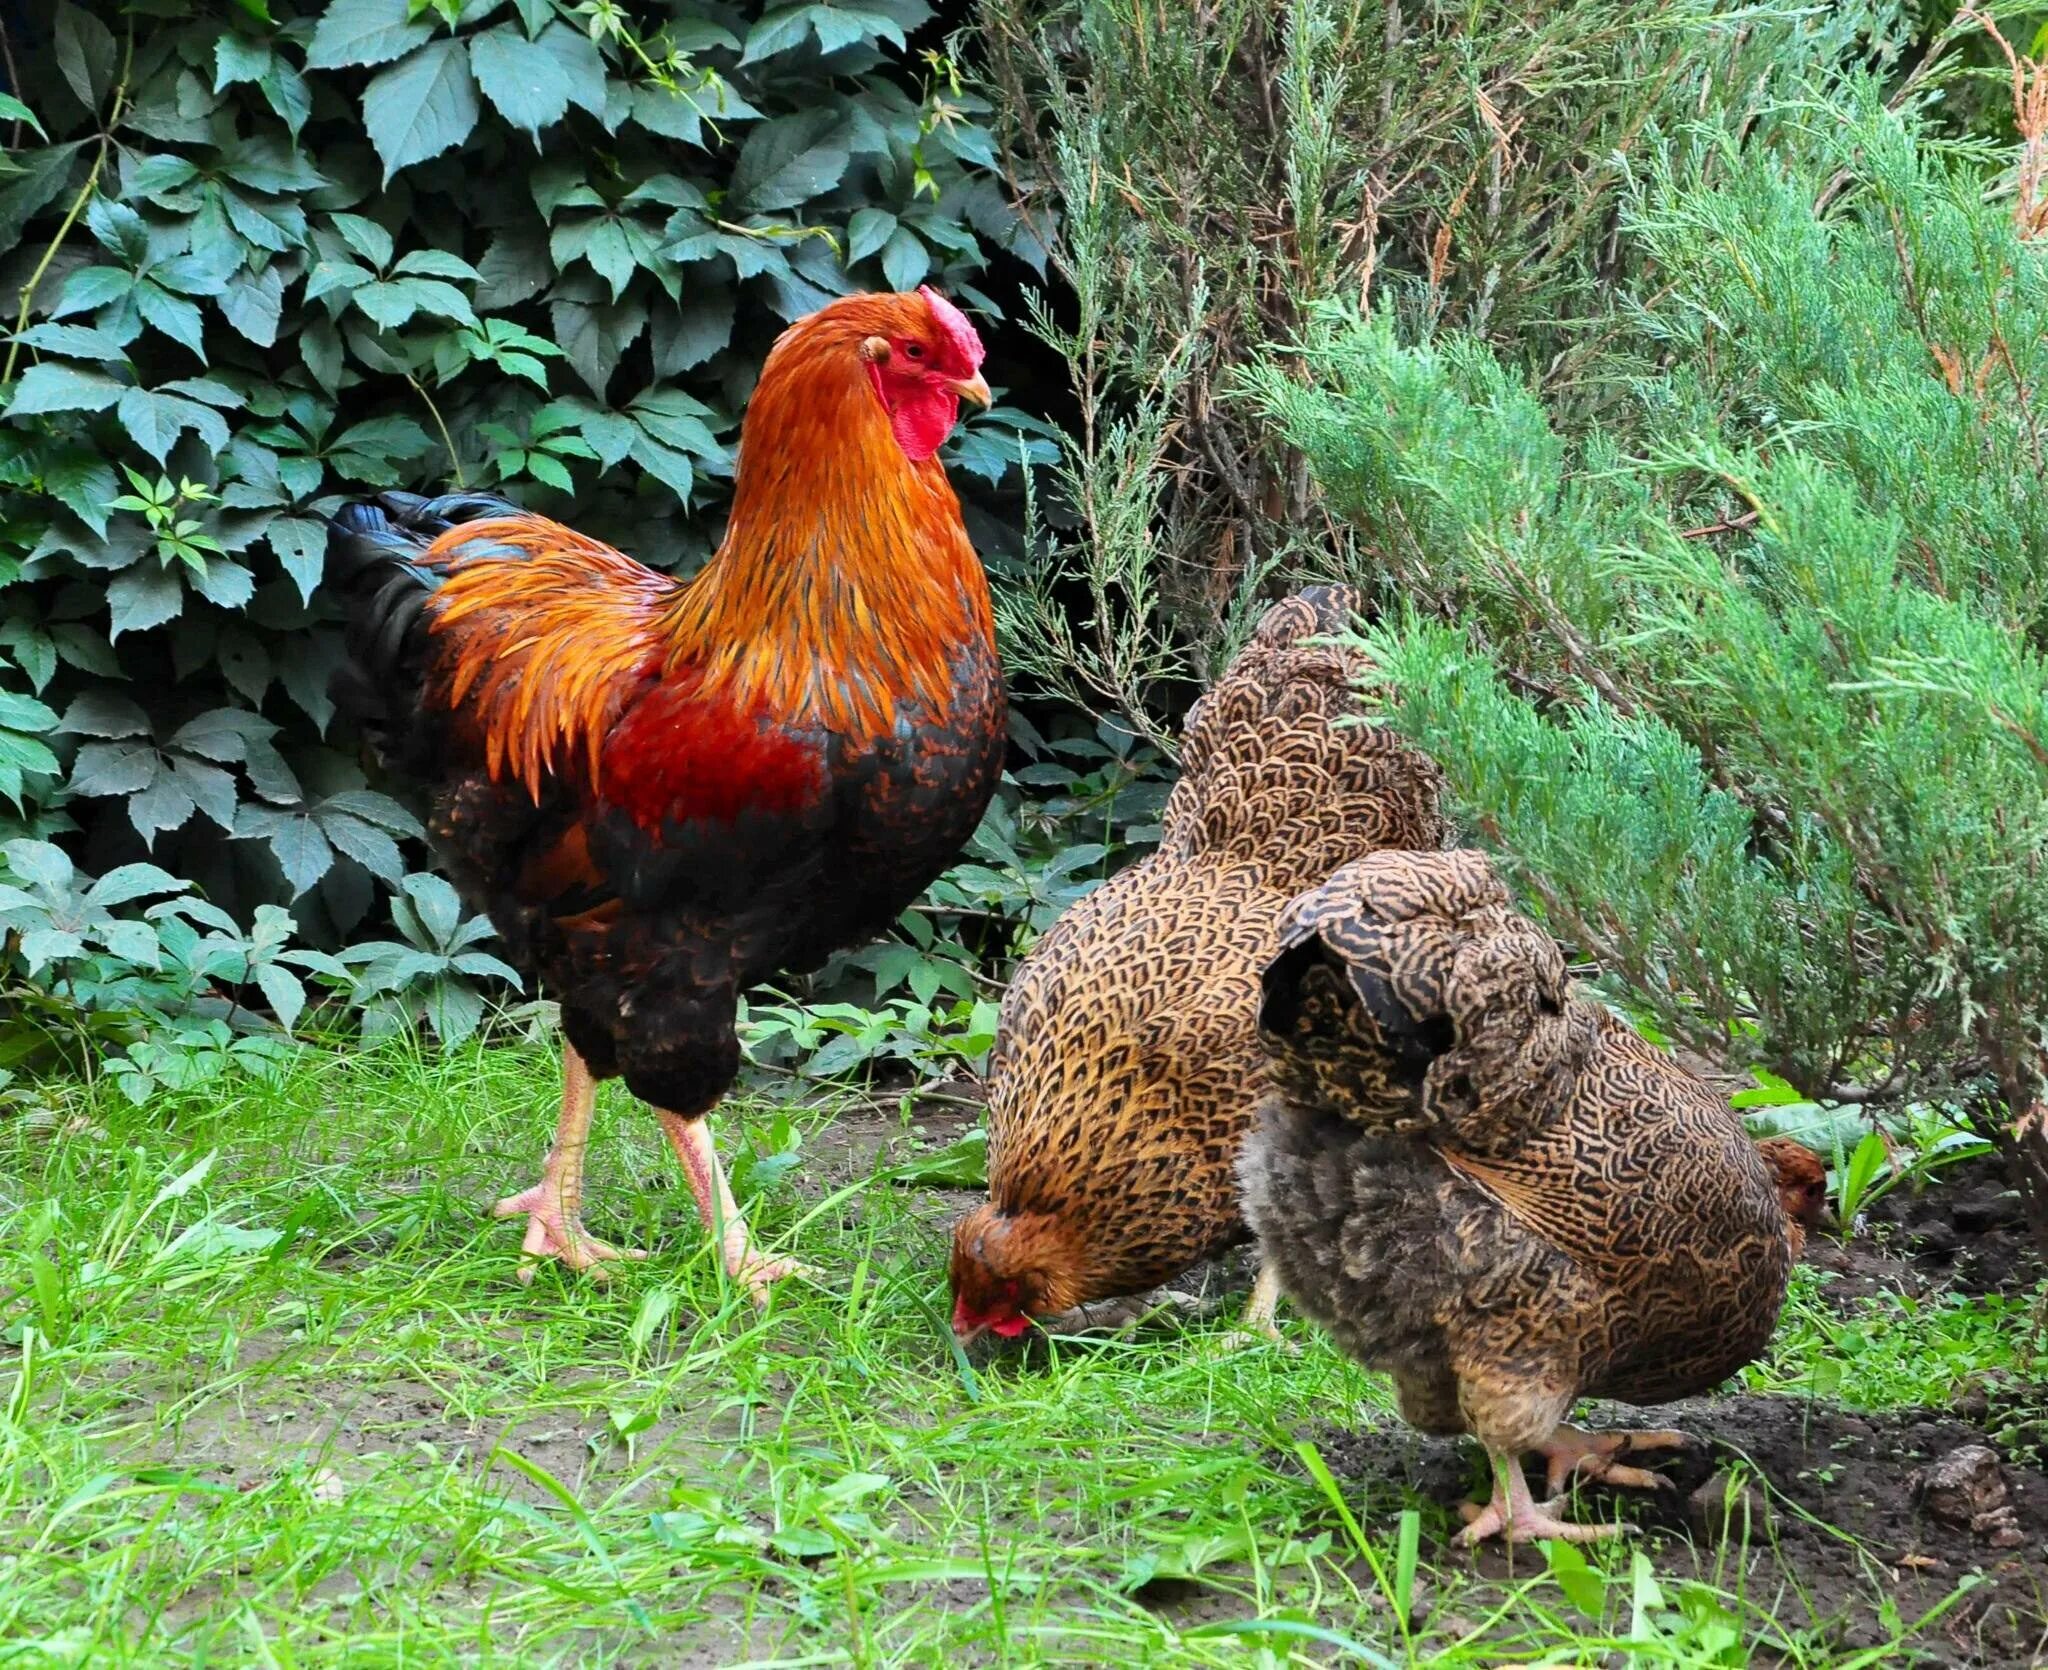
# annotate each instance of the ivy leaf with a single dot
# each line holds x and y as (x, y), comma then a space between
(142, 597)
(676, 420)
(671, 468)
(905, 260)
(238, 58)
(296, 842)
(527, 80)
(423, 105)
(51, 387)
(226, 584)
(91, 287)
(364, 32)
(154, 420)
(366, 238)
(103, 713)
(173, 315)
(787, 162)
(301, 545)
(254, 305)
(163, 805)
(85, 54)
(867, 232)
(112, 768)
(13, 110)
(595, 337)
(84, 482)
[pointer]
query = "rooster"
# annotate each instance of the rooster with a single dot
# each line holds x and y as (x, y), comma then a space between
(663, 793)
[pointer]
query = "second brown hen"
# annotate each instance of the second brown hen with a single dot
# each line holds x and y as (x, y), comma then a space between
(1125, 1066)
(1493, 1189)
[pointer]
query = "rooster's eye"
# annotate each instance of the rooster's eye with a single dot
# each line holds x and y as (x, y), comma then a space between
(915, 350)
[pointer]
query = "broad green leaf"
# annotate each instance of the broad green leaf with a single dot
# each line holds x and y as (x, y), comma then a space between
(365, 32)
(154, 420)
(366, 238)
(237, 58)
(285, 992)
(439, 907)
(905, 260)
(163, 805)
(51, 387)
(421, 106)
(867, 232)
(104, 713)
(107, 768)
(13, 110)
(254, 305)
(142, 597)
(91, 287)
(527, 80)
(301, 546)
(85, 53)
(173, 315)
(788, 162)
(126, 883)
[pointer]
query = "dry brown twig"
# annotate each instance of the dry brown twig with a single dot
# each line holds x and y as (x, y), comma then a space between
(2030, 116)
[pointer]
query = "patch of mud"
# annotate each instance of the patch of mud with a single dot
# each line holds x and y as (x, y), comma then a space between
(1965, 1231)
(1845, 1530)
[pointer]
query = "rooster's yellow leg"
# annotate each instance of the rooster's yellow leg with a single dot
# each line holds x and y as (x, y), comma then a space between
(554, 1205)
(1516, 1517)
(1597, 1456)
(691, 1140)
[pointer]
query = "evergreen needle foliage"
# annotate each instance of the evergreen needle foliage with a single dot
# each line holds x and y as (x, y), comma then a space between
(1747, 673)
(1206, 175)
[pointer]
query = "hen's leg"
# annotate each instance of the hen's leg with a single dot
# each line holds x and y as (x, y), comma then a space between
(1597, 1456)
(554, 1205)
(691, 1140)
(1515, 1516)
(1256, 1326)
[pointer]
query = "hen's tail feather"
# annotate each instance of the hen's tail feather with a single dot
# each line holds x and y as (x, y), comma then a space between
(1276, 767)
(374, 552)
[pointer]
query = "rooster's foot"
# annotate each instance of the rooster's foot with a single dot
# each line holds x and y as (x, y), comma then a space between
(758, 1274)
(1596, 1457)
(552, 1232)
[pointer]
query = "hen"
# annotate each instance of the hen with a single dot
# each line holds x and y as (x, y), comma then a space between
(1493, 1189)
(1124, 1071)
(663, 793)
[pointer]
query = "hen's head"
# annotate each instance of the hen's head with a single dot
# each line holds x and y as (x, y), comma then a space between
(914, 351)
(1802, 1184)
(1007, 1269)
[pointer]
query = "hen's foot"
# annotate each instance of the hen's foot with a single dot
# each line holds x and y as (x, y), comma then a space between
(1536, 1522)
(1516, 1517)
(552, 1232)
(1596, 1457)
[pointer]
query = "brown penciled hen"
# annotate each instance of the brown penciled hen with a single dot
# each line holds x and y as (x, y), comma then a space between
(1493, 1189)
(1126, 1064)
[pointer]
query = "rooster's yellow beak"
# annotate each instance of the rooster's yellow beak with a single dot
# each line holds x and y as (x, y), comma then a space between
(973, 388)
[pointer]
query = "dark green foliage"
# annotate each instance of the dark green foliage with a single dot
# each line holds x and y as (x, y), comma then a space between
(265, 257)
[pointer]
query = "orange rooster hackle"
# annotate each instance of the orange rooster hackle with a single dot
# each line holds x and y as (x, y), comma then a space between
(841, 594)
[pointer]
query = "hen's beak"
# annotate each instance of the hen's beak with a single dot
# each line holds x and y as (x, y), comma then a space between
(975, 389)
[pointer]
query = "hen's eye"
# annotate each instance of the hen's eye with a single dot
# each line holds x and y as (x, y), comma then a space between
(914, 350)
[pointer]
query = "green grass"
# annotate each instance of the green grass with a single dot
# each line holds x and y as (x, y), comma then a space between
(291, 1407)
